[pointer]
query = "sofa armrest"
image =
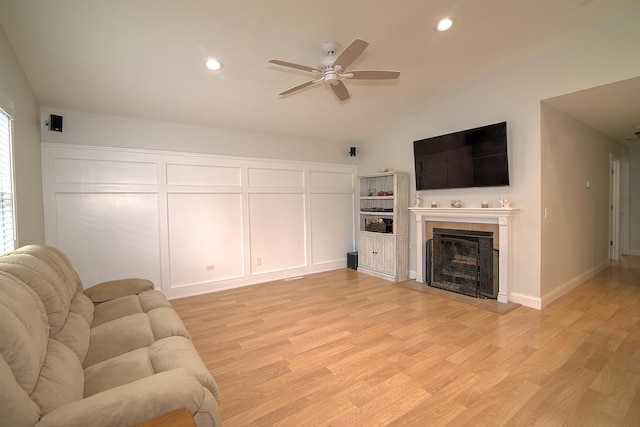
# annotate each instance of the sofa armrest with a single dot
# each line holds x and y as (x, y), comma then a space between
(132, 403)
(113, 289)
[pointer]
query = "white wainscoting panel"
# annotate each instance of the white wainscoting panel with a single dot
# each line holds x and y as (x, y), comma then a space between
(325, 179)
(82, 171)
(195, 223)
(205, 238)
(331, 224)
(278, 238)
(110, 236)
(204, 175)
(260, 177)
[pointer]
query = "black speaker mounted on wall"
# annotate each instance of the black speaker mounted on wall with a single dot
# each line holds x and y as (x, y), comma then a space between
(352, 151)
(55, 123)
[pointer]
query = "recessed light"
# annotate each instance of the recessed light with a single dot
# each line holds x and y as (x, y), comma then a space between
(444, 24)
(213, 64)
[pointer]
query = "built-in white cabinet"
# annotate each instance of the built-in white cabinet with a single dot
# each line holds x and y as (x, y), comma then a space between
(383, 225)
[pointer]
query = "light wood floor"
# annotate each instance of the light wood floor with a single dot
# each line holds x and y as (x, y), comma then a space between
(346, 349)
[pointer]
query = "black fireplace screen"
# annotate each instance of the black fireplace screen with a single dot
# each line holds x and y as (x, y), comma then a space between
(463, 261)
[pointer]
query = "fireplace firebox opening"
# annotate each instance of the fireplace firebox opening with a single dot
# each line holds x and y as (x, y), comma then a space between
(463, 261)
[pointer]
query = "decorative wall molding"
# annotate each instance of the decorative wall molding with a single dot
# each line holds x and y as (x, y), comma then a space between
(195, 223)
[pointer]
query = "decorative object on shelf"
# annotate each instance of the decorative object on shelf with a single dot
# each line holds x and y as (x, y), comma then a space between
(379, 225)
(434, 204)
(456, 204)
(505, 203)
(385, 193)
(485, 204)
(384, 170)
(372, 192)
(418, 201)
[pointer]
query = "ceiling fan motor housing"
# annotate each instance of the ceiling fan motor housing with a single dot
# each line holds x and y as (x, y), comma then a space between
(331, 78)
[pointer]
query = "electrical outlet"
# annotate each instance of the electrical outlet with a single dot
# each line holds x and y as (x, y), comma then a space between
(258, 261)
(547, 212)
(211, 267)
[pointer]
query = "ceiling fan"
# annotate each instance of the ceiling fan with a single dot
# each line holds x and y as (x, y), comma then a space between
(333, 69)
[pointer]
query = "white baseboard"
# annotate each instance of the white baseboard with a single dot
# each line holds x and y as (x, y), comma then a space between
(634, 252)
(525, 300)
(568, 286)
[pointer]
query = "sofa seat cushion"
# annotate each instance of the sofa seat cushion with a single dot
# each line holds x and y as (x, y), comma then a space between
(173, 352)
(161, 356)
(117, 371)
(126, 305)
(117, 337)
(137, 401)
(115, 309)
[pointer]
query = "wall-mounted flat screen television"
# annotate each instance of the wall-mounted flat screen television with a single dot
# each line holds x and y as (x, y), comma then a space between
(469, 158)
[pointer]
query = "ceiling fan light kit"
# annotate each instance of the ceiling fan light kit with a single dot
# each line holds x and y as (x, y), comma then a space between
(333, 69)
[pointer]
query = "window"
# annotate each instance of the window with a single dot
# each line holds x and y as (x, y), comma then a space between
(7, 226)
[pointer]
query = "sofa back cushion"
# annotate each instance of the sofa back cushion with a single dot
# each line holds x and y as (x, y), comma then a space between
(58, 262)
(53, 293)
(61, 380)
(24, 336)
(16, 407)
(24, 331)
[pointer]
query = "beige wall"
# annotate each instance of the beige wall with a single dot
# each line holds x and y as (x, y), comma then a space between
(575, 236)
(634, 200)
(15, 89)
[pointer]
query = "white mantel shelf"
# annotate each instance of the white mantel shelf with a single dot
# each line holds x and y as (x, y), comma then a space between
(500, 216)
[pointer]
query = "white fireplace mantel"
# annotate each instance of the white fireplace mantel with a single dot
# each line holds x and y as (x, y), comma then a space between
(500, 216)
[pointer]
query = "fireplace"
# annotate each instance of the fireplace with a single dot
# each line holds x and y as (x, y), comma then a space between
(462, 261)
(500, 218)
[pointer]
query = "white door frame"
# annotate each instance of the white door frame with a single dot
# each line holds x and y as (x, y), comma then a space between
(614, 208)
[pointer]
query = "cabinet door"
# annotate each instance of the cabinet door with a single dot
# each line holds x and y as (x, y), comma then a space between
(366, 247)
(385, 254)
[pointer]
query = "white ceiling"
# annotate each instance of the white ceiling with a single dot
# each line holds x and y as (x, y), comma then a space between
(144, 58)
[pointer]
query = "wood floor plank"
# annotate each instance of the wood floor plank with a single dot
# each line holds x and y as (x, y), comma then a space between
(345, 349)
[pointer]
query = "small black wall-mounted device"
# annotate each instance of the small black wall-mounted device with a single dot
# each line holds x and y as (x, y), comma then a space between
(352, 151)
(55, 123)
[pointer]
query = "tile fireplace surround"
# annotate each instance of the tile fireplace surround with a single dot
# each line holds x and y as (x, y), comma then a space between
(499, 216)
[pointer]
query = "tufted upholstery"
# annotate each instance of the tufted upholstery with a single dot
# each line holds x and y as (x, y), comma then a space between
(115, 354)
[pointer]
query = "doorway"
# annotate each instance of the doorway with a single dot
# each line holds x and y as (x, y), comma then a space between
(614, 208)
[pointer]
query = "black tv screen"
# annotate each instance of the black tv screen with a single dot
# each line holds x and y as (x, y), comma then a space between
(469, 158)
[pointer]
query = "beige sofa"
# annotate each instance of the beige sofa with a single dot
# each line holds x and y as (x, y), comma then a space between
(112, 355)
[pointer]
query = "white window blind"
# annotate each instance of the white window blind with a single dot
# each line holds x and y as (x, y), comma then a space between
(7, 228)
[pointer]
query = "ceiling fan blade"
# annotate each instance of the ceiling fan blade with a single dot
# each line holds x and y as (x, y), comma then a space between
(374, 74)
(340, 90)
(292, 65)
(351, 53)
(298, 87)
